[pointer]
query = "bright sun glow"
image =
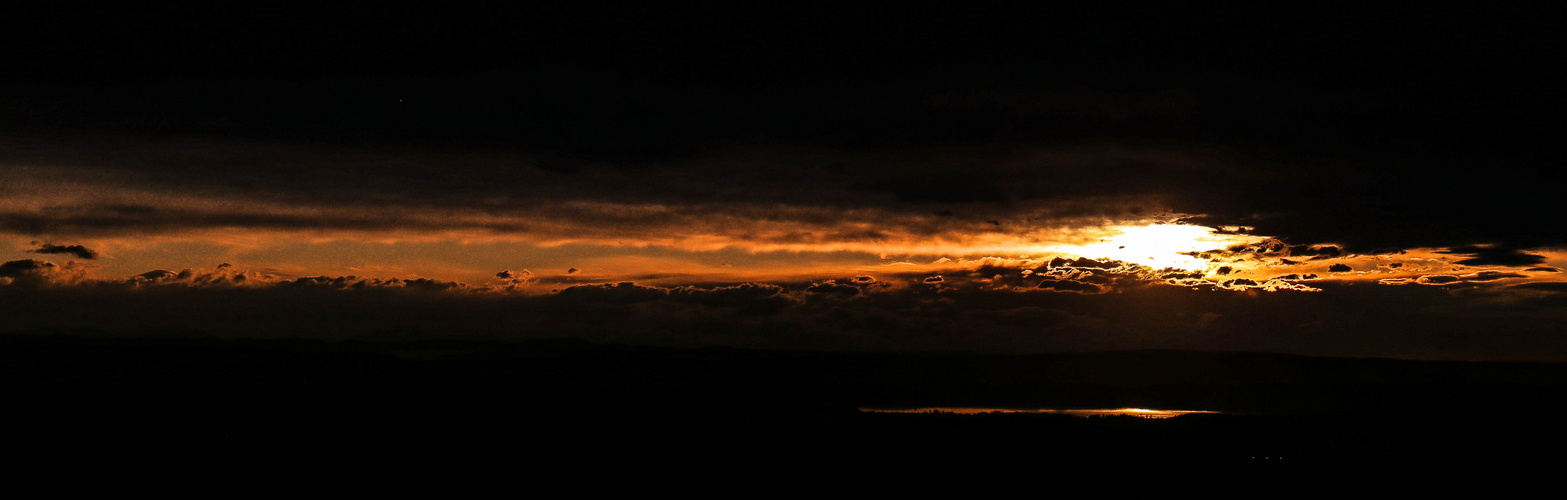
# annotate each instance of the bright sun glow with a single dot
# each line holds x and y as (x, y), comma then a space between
(1160, 245)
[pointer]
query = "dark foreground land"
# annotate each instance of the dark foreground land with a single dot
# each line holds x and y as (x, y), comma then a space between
(579, 401)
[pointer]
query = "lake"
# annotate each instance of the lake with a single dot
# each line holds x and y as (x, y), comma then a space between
(1133, 412)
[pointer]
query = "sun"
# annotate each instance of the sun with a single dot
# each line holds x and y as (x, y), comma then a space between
(1160, 245)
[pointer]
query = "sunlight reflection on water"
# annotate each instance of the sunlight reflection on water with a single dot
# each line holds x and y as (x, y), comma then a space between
(1134, 412)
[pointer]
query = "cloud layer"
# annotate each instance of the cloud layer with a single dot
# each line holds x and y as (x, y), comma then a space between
(989, 307)
(903, 178)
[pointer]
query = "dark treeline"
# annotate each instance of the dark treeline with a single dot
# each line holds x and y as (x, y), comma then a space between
(587, 398)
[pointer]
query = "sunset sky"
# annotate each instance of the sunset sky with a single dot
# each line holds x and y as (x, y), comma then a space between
(916, 177)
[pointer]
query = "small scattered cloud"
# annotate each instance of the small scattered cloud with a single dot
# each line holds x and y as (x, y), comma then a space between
(1448, 279)
(1238, 284)
(1084, 263)
(25, 267)
(1437, 279)
(1296, 277)
(37, 273)
(358, 283)
(155, 275)
(515, 279)
(1066, 285)
(1268, 285)
(1489, 276)
(1316, 252)
(834, 288)
(78, 251)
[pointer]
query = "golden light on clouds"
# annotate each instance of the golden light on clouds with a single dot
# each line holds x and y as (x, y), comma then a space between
(1159, 246)
(140, 226)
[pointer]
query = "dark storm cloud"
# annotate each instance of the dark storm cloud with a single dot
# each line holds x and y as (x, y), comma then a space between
(1254, 122)
(79, 251)
(953, 187)
(1544, 269)
(1496, 256)
(766, 208)
(328, 179)
(116, 219)
(1339, 268)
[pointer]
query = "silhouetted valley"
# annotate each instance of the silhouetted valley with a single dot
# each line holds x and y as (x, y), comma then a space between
(575, 397)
